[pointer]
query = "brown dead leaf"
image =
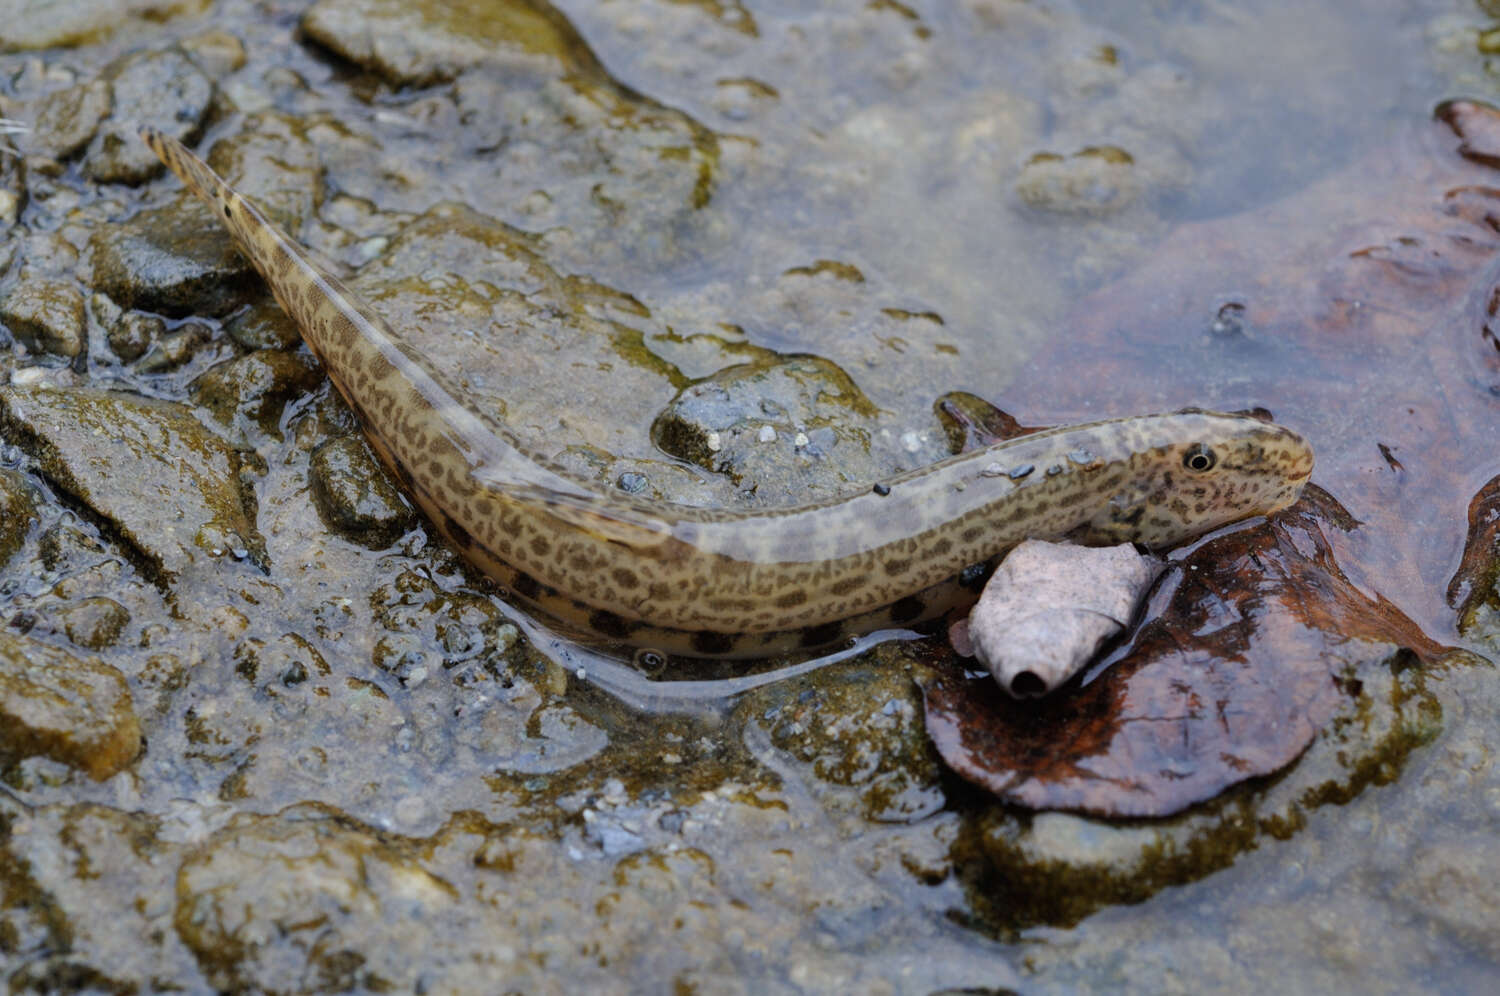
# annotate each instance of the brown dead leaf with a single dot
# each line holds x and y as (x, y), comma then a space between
(1257, 645)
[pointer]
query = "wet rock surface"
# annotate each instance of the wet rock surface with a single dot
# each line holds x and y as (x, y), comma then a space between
(785, 419)
(355, 494)
(18, 512)
(66, 120)
(83, 22)
(133, 333)
(173, 260)
(255, 387)
(434, 42)
(181, 500)
(164, 90)
(45, 314)
(73, 710)
(600, 218)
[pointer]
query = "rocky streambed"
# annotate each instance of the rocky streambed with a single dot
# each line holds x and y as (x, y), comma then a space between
(262, 731)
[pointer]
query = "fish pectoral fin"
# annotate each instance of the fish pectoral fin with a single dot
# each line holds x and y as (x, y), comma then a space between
(607, 520)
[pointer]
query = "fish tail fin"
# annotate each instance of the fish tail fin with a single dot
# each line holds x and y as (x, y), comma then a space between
(191, 170)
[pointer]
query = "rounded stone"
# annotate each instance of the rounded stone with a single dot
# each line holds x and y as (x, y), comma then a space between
(162, 89)
(66, 120)
(94, 623)
(256, 386)
(18, 512)
(74, 710)
(354, 494)
(134, 333)
(45, 314)
(264, 325)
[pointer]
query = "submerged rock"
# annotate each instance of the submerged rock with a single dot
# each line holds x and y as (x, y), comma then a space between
(75, 710)
(174, 259)
(163, 89)
(858, 729)
(791, 428)
(162, 482)
(45, 314)
(479, 300)
(94, 623)
(134, 333)
(1024, 869)
(175, 348)
(12, 196)
(66, 120)
(420, 44)
(322, 886)
(217, 52)
(1096, 181)
(18, 513)
(355, 495)
(86, 22)
(255, 387)
(264, 325)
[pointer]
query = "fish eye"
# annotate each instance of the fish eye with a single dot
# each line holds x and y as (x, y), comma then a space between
(1199, 458)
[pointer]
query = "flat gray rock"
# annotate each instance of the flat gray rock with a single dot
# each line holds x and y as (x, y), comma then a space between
(168, 487)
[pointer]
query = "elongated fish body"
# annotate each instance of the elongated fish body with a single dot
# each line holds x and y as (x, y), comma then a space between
(713, 583)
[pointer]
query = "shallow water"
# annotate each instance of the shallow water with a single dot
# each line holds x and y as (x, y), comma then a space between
(343, 729)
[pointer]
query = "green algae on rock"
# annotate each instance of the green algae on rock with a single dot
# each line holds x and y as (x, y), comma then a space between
(181, 497)
(434, 40)
(75, 710)
(480, 299)
(18, 512)
(45, 314)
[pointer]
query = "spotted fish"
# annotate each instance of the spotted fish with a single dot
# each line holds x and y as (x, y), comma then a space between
(736, 584)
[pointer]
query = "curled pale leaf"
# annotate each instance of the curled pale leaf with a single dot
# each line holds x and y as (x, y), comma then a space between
(1050, 607)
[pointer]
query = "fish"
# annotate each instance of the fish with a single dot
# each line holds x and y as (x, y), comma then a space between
(735, 584)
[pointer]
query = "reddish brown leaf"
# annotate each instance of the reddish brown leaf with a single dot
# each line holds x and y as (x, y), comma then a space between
(1477, 571)
(1258, 644)
(971, 423)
